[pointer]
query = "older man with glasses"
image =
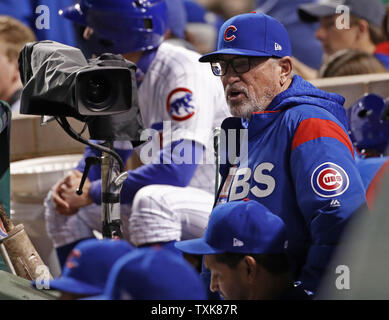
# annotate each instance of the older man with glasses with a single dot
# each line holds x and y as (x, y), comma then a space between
(300, 161)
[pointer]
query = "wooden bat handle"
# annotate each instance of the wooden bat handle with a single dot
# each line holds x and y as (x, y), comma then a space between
(8, 224)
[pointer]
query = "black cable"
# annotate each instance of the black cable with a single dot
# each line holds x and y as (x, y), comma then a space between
(63, 122)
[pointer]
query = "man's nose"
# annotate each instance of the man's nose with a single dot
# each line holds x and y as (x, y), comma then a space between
(213, 286)
(320, 34)
(230, 77)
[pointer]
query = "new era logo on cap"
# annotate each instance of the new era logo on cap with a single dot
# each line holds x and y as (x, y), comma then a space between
(251, 34)
(237, 243)
(277, 47)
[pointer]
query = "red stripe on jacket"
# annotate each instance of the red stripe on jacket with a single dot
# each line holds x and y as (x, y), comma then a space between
(313, 128)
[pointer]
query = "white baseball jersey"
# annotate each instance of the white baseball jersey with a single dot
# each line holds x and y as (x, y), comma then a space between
(179, 89)
(182, 93)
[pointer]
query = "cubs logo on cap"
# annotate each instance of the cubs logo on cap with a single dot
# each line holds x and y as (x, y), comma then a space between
(228, 36)
(251, 34)
(180, 104)
(329, 180)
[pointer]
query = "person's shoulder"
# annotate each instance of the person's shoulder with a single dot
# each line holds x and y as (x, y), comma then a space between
(177, 54)
(302, 112)
(179, 60)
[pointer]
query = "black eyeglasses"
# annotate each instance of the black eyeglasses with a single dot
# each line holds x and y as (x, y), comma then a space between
(239, 65)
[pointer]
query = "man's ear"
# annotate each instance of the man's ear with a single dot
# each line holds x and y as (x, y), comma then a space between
(251, 268)
(363, 28)
(286, 66)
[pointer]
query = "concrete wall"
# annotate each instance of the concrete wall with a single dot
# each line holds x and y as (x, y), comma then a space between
(30, 140)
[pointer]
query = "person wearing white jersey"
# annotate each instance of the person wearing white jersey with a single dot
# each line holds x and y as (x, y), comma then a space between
(164, 200)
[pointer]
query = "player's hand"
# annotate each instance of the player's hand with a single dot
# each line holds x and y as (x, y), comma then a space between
(69, 195)
(59, 191)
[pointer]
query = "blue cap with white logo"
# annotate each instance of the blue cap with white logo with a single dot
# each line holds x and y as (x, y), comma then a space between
(153, 273)
(242, 227)
(252, 34)
(88, 265)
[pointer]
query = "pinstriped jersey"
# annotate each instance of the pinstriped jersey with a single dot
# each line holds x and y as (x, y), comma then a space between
(181, 99)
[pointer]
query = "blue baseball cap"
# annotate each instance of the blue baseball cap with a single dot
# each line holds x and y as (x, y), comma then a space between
(373, 11)
(176, 18)
(240, 226)
(196, 13)
(153, 274)
(252, 34)
(88, 265)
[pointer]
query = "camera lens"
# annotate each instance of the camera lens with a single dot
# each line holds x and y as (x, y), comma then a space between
(98, 90)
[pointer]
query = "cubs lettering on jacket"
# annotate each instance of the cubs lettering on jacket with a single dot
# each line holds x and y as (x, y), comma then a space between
(240, 187)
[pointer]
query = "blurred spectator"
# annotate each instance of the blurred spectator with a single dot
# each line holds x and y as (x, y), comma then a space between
(228, 8)
(369, 131)
(152, 274)
(176, 23)
(177, 19)
(87, 267)
(41, 16)
(202, 27)
(361, 30)
(13, 36)
(245, 250)
(351, 62)
(302, 35)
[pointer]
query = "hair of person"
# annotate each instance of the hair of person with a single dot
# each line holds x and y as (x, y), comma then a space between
(377, 34)
(13, 36)
(275, 264)
(351, 62)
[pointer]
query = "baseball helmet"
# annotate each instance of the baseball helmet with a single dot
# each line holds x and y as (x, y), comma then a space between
(121, 26)
(369, 123)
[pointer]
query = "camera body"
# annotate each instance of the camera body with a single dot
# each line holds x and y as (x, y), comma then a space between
(59, 81)
(102, 91)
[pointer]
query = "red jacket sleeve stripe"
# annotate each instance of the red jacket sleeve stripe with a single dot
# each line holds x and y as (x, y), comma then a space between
(314, 128)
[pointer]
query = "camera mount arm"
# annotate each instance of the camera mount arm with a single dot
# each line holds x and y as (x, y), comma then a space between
(112, 178)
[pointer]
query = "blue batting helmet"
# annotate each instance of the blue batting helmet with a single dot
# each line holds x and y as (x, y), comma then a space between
(121, 26)
(369, 123)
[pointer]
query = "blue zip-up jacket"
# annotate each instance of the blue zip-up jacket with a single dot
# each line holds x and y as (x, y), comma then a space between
(301, 166)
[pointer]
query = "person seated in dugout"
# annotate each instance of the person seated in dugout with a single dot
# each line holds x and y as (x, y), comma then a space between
(244, 247)
(87, 268)
(153, 273)
(349, 24)
(351, 62)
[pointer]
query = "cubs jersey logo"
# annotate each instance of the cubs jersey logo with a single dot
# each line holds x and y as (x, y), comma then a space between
(231, 37)
(179, 104)
(329, 180)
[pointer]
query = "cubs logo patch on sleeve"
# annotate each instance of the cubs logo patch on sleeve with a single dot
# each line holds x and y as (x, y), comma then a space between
(180, 104)
(329, 180)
